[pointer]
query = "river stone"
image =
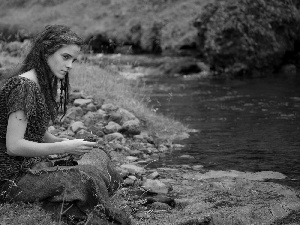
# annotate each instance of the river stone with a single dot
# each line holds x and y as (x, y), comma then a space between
(186, 157)
(91, 115)
(132, 127)
(153, 175)
(77, 110)
(82, 134)
(126, 115)
(129, 182)
(109, 107)
(113, 136)
(76, 94)
(112, 127)
(139, 138)
(96, 129)
(67, 133)
(101, 112)
(76, 126)
(146, 151)
(53, 130)
(197, 167)
(134, 152)
(162, 148)
(177, 146)
(263, 175)
(82, 102)
(132, 158)
(91, 107)
(115, 117)
(133, 169)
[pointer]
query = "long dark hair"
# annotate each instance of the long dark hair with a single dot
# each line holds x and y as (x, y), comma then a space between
(46, 43)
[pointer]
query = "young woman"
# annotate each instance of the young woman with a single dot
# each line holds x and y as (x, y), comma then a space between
(28, 103)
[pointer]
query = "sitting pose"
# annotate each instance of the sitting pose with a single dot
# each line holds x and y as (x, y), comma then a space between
(28, 103)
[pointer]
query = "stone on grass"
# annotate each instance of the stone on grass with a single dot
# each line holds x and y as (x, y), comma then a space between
(82, 102)
(129, 182)
(132, 127)
(115, 117)
(132, 177)
(139, 138)
(101, 112)
(163, 148)
(109, 107)
(82, 134)
(155, 186)
(76, 126)
(133, 169)
(160, 206)
(53, 130)
(146, 151)
(134, 152)
(112, 127)
(183, 202)
(142, 215)
(91, 107)
(74, 112)
(76, 94)
(96, 129)
(113, 136)
(132, 158)
(67, 133)
(90, 115)
(153, 175)
(126, 115)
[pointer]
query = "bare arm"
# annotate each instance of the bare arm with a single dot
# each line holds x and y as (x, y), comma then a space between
(50, 138)
(18, 146)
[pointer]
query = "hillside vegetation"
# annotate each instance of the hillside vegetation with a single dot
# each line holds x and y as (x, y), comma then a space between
(235, 38)
(146, 26)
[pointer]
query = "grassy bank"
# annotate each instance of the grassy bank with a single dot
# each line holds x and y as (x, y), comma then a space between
(109, 86)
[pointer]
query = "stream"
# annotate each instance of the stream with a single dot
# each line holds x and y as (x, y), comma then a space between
(245, 125)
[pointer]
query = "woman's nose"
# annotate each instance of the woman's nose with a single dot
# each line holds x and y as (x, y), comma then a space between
(69, 65)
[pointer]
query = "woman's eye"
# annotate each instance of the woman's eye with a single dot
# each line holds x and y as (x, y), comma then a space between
(65, 56)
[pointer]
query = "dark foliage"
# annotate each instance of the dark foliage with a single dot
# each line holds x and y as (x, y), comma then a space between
(246, 37)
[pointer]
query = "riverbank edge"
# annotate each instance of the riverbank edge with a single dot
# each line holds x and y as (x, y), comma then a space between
(179, 194)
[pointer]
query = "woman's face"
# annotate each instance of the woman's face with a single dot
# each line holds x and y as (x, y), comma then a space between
(61, 61)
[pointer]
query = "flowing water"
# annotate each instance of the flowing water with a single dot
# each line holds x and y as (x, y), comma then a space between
(251, 125)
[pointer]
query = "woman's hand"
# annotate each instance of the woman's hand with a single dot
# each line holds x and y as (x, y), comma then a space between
(79, 146)
(17, 145)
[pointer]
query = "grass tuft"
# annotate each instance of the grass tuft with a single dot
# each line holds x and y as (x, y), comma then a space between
(25, 214)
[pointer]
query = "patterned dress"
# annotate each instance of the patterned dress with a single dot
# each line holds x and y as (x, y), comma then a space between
(20, 93)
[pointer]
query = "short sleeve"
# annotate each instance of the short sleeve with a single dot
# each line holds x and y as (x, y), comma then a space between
(22, 96)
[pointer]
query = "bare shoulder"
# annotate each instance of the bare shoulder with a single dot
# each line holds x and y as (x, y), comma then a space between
(30, 75)
(18, 115)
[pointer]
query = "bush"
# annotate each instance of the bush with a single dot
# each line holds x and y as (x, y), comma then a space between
(240, 37)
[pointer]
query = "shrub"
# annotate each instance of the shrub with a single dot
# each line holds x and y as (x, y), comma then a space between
(239, 37)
